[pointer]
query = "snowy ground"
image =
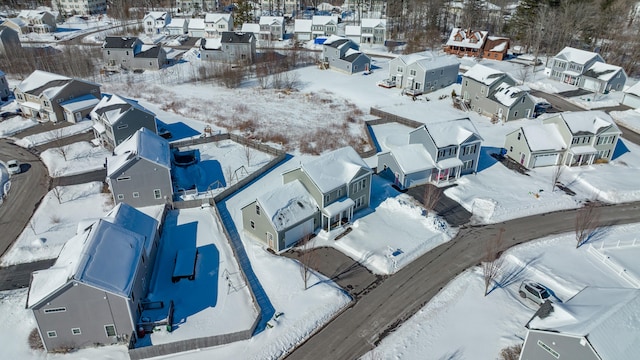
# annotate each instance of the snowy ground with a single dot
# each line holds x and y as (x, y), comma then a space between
(74, 159)
(54, 135)
(460, 309)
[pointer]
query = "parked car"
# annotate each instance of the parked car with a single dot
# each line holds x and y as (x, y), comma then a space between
(13, 166)
(534, 291)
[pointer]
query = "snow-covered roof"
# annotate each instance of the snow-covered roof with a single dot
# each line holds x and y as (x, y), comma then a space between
(350, 30)
(251, 28)
(80, 103)
(144, 144)
(177, 23)
(211, 43)
(497, 44)
(333, 38)
(324, 19)
(156, 15)
(587, 122)
(270, 20)
(508, 94)
(302, 25)
(451, 132)
(371, 23)
(18, 22)
(196, 24)
(467, 37)
(111, 108)
(39, 79)
(634, 90)
(105, 255)
(136, 220)
(287, 205)
(436, 62)
(33, 14)
(335, 168)
(543, 137)
(484, 74)
(412, 158)
(213, 18)
(576, 55)
(608, 317)
(602, 71)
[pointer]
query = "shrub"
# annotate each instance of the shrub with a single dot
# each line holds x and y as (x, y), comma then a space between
(35, 342)
(511, 352)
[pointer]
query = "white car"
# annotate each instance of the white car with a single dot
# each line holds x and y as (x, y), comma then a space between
(13, 166)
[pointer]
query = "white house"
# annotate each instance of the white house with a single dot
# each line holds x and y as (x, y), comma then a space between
(302, 30)
(178, 27)
(215, 24)
(373, 31)
(155, 22)
(271, 28)
(196, 28)
(324, 25)
(631, 96)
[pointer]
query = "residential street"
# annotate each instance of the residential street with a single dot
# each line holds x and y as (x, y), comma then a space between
(356, 330)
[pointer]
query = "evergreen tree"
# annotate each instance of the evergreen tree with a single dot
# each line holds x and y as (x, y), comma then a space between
(243, 13)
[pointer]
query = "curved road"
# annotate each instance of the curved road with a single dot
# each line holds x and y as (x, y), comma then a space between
(356, 330)
(27, 189)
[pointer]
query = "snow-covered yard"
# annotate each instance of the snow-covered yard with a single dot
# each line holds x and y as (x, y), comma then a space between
(54, 135)
(74, 159)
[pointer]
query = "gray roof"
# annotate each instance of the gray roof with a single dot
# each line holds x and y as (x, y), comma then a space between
(118, 42)
(352, 57)
(151, 53)
(236, 37)
(337, 43)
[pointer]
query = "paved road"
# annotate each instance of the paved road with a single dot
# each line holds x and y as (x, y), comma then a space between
(451, 211)
(359, 328)
(27, 189)
(19, 276)
(559, 103)
(96, 175)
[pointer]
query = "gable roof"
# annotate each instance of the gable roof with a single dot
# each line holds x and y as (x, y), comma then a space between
(467, 36)
(211, 43)
(119, 42)
(142, 144)
(507, 94)
(371, 23)
(302, 25)
(602, 71)
(496, 44)
(349, 30)
(112, 107)
(196, 24)
(336, 41)
(324, 19)
(335, 168)
(178, 23)
(252, 28)
(484, 74)
(451, 132)
(634, 90)
(436, 62)
(157, 15)
(607, 317)
(287, 205)
(237, 37)
(587, 122)
(33, 14)
(352, 55)
(271, 20)
(215, 17)
(576, 55)
(412, 158)
(39, 80)
(149, 51)
(543, 137)
(7, 30)
(105, 255)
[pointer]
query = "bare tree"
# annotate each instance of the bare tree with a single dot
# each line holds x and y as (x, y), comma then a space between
(587, 221)
(308, 259)
(430, 197)
(492, 262)
(248, 154)
(555, 176)
(511, 352)
(57, 137)
(57, 193)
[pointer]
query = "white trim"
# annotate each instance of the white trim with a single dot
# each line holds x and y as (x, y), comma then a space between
(52, 334)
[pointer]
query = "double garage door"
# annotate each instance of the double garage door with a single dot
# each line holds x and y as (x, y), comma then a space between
(545, 160)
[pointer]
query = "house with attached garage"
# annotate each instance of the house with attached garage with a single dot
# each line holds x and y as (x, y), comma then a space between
(586, 70)
(596, 324)
(178, 26)
(216, 24)
(568, 138)
(271, 28)
(342, 54)
(465, 42)
(9, 40)
(116, 118)
(231, 47)
(129, 53)
(139, 172)
(423, 72)
(324, 25)
(42, 95)
(155, 22)
(196, 27)
(631, 96)
(322, 193)
(302, 29)
(434, 152)
(93, 294)
(493, 93)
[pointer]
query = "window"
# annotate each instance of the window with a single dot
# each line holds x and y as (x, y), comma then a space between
(157, 194)
(120, 196)
(108, 52)
(123, 126)
(549, 349)
(136, 194)
(52, 334)
(575, 140)
(359, 201)
(127, 53)
(257, 209)
(412, 72)
(399, 69)
(123, 178)
(76, 331)
(467, 165)
(327, 198)
(253, 224)
(55, 310)
(519, 135)
(510, 148)
(110, 330)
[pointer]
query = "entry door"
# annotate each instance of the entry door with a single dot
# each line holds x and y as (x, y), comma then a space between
(522, 156)
(270, 240)
(78, 116)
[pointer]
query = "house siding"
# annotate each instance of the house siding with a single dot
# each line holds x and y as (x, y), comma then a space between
(145, 177)
(567, 347)
(363, 191)
(87, 308)
(134, 119)
(262, 225)
(436, 78)
(9, 39)
(471, 156)
(74, 89)
(515, 148)
(393, 168)
(298, 174)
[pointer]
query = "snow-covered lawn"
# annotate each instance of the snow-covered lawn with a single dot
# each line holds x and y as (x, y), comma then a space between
(74, 159)
(629, 119)
(461, 323)
(14, 125)
(54, 135)
(393, 233)
(54, 223)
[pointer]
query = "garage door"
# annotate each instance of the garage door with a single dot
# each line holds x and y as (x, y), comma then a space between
(293, 235)
(304, 37)
(545, 160)
(591, 85)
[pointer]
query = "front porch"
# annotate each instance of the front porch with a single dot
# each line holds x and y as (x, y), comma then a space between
(581, 155)
(337, 214)
(446, 170)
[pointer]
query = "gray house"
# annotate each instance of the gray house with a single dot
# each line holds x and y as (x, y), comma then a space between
(93, 293)
(569, 138)
(435, 152)
(322, 193)
(342, 54)
(139, 173)
(271, 28)
(9, 40)
(373, 31)
(586, 70)
(231, 47)
(215, 24)
(42, 94)
(116, 118)
(602, 78)
(423, 72)
(595, 324)
(324, 25)
(493, 93)
(4, 87)
(129, 53)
